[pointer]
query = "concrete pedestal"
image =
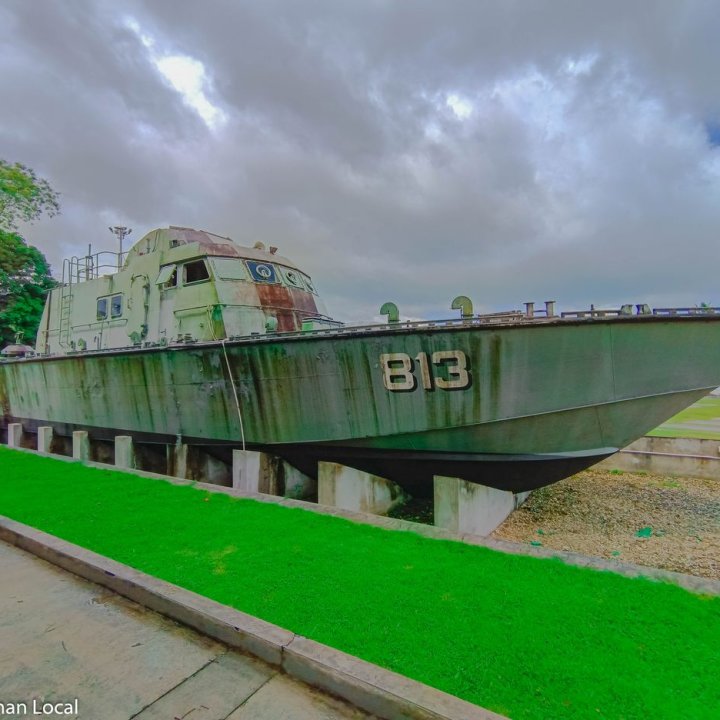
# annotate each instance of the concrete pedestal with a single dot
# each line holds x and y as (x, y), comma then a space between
(345, 487)
(14, 437)
(44, 438)
(466, 507)
(124, 452)
(81, 445)
(177, 460)
(253, 472)
(193, 462)
(296, 484)
(264, 473)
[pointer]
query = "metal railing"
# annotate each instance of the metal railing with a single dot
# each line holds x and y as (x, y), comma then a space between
(91, 266)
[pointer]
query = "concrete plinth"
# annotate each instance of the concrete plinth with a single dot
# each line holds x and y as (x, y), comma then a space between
(194, 462)
(466, 507)
(178, 460)
(254, 472)
(296, 484)
(264, 473)
(124, 451)
(81, 445)
(345, 487)
(44, 438)
(14, 431)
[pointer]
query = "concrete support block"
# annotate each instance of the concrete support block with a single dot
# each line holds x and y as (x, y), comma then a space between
(213, 470)
(178, 460)
(297, 484)
(254, 472)
(124, 452)
(466, 507)
(264, 473)
(15, 431)
(194, 462)
(345, 487)
(81, 445)
(44, 438)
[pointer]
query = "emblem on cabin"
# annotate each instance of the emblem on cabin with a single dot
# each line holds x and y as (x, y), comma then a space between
(262, 272)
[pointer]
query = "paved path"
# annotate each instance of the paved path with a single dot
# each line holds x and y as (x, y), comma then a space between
(63, 638)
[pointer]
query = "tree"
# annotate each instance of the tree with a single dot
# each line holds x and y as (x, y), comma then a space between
(24, 272)
(24, 196)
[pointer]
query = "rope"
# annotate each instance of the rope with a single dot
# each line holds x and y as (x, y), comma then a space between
(235, 395)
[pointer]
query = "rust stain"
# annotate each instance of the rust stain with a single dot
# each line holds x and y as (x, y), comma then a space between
(289, 306)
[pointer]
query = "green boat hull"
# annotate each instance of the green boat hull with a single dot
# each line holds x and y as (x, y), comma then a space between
(513, 406)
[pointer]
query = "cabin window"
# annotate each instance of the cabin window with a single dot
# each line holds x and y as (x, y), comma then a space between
(195, 272)
(116, 306)
(229, 268)
(167, 276)
(102, 309)
(292, 277)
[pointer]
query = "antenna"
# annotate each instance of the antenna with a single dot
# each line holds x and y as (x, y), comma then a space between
(121, 232)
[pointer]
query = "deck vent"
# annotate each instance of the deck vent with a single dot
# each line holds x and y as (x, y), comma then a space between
(464, 304)
(391, 310)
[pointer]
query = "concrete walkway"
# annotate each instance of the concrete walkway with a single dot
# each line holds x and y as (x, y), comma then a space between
(62, 639)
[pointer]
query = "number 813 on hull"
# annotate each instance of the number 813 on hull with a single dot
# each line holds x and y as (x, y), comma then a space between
(444, 369)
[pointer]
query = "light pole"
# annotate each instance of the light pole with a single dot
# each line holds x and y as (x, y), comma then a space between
(121, 232)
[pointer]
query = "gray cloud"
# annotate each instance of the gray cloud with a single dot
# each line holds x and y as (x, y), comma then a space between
(582, 173)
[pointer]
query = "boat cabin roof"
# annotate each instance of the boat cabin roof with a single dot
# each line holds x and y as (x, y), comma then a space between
(206, 243)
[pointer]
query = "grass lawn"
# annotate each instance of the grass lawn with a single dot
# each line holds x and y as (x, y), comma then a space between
(525, 637)
(706, 409)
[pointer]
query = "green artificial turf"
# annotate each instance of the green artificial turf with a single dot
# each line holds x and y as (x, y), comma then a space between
(706, 409)
(525, 637)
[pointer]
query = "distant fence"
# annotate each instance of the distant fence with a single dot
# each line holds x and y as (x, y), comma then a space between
(668, 456)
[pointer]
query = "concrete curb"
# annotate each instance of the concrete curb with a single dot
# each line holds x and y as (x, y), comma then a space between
(381, 692)
(692, 583)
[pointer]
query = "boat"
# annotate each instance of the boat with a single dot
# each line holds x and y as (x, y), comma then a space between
(189, 337)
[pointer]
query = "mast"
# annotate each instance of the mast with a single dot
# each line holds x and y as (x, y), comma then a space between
(121, 232)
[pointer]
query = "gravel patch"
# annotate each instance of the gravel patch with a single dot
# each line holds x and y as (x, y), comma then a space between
(665, 522)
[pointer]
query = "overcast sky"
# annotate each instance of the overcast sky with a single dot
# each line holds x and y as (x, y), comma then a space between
(404, 151)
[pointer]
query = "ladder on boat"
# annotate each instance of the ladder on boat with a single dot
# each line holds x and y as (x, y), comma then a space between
(66, 299)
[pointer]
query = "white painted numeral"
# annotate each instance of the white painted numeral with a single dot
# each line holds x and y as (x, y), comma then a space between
(398, 371)
(458, 377)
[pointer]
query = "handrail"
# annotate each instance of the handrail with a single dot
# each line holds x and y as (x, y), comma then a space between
(88, 267)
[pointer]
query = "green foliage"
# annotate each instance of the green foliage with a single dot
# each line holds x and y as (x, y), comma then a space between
(24, 196)
(525, 637)
(24, 271)
(24, 282)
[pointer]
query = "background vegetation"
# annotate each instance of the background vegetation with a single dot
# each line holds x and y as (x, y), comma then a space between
(24, 271)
